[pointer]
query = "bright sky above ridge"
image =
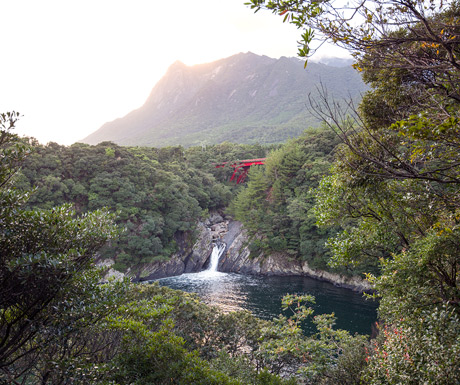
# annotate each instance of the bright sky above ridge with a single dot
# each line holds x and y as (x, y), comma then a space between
(70, 66)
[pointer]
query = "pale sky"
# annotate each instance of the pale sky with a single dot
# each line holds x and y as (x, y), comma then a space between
(70, 66)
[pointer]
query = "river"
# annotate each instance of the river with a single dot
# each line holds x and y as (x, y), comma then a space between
(262, 295)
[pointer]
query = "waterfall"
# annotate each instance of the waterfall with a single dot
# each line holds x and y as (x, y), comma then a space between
(216, 253)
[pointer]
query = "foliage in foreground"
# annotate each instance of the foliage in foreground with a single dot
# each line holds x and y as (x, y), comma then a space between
(394, 189)
(47, 286)
(168, 334)
(59, 325)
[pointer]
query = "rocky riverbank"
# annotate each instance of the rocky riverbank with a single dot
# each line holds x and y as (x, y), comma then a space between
(236, 258)
(190, 257)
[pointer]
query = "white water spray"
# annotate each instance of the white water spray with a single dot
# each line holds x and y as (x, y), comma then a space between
(215, 256)
(210, 273)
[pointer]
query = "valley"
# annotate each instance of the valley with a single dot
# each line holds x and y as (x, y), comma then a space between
(349, 175)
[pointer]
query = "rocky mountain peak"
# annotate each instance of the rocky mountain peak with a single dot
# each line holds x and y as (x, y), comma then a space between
(244, 98)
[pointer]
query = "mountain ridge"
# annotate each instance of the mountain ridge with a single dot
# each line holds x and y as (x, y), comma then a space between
(244, 98)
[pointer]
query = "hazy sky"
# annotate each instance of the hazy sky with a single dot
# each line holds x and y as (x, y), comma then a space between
(70, 66)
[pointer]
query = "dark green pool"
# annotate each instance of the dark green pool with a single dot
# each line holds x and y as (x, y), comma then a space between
(262, 296)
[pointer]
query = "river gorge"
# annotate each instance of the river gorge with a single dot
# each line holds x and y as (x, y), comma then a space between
(261, 295)
(195, 256)
(221, 270)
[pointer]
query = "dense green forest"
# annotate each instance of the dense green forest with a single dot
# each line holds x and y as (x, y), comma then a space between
(157, 194)
(386, 198)
(60, 325)
(277, 204)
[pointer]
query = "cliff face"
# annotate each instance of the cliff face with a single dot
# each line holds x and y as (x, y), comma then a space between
(189, 258)
(236, 258)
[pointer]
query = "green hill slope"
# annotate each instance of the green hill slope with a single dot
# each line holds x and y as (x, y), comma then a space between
(245, 98)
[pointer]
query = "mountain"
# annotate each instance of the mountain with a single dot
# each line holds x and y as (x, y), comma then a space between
(245, 98)
(335, 61)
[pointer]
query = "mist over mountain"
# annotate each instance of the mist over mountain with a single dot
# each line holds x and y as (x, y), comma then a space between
(335, 61)
(245, 98)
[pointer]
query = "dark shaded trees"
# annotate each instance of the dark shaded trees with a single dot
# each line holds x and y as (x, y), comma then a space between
(46, 289)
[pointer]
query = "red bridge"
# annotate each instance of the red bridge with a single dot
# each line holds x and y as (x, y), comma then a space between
(241, 167)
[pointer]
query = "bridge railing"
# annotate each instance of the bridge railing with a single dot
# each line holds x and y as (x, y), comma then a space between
(242, 167)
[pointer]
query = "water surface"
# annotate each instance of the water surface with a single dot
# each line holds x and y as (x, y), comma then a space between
(262, 296)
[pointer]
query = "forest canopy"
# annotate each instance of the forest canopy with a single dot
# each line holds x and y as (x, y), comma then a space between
(157, 194)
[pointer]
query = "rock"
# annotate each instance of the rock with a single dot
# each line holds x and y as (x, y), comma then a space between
(105, 262)
(215, 218)
(219, 230)
(114, 274)
(238, 259)
(187, 260)
(353, 283)
(111, 273)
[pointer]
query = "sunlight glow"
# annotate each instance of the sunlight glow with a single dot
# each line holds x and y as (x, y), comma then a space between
(71, 66)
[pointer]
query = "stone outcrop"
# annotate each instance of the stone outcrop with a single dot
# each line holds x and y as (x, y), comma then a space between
(188, 259)
(110, 272)
(238, 259)
(219, 230)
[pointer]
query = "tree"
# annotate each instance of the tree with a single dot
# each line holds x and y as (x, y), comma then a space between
(276, 205)
(406, 33)
(157, 194)
(168, 336)
(44, 261)
(330, 356)
(408, 51)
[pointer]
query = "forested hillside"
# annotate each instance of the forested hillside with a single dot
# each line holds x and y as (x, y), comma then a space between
(157, 194)
(276, 205)
(60, 325)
